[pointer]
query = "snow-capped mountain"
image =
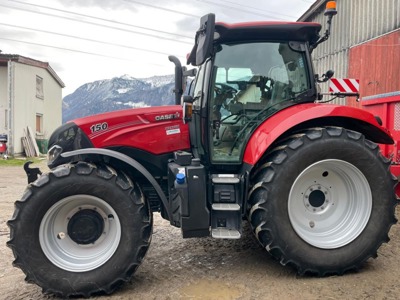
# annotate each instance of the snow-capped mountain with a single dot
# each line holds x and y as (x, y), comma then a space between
(118, 93)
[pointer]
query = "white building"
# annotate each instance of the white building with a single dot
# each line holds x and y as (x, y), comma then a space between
(30, 95)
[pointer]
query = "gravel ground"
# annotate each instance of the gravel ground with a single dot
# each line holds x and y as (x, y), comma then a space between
(205, 268)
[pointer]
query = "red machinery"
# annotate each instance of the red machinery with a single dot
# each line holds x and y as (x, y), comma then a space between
(250, 142)
(3, 145)
(387, 107)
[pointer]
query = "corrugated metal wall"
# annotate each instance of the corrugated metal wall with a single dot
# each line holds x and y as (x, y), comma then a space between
(357, 21)
(377, 64)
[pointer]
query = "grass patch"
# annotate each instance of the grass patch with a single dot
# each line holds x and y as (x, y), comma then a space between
(17, 162)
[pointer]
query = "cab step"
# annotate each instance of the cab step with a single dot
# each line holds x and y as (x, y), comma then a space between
(226, 210)
(223, 233)
(226, 206)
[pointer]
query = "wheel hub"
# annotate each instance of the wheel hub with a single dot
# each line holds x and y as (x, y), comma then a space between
(316, 198)
(330, 203)
(79, 233)
(85, 227)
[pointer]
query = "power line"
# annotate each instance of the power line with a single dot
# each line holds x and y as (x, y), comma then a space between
(86, 39)
(64, 49)
(163, 8)
(256, 8)
(212, 3)
(73, 50)
(100, 19)
(241, 10)
(96, 24)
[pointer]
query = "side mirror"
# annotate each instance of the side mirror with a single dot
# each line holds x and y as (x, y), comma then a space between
(325, 77)
(203, 41)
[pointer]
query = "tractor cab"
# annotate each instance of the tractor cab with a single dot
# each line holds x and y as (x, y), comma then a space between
(247, 73)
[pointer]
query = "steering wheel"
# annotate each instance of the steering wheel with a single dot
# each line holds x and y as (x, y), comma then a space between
(224, 89)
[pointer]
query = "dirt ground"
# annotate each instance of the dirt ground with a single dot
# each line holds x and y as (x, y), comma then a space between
(205, 268)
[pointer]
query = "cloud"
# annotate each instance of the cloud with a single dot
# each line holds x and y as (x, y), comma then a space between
(188, 26)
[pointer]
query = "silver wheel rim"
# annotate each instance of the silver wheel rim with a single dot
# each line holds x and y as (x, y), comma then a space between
(63, 251)
(330, 204)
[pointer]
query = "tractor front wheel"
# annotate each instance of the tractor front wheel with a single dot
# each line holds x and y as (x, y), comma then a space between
(323, 201)
(80, 230)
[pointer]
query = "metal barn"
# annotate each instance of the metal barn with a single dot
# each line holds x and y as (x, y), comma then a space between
(365, 44)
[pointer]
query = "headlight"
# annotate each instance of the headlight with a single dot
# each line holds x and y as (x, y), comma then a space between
(53, 153)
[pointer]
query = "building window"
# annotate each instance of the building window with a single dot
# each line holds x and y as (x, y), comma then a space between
(39, 124)
(39, 87)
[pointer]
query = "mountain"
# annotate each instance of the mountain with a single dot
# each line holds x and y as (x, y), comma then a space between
(118, 93)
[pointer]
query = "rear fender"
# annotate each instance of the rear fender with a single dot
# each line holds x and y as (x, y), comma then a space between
(128, 160)
(309, 115)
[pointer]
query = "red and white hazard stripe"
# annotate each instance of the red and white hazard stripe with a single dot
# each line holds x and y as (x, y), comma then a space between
(344, 85)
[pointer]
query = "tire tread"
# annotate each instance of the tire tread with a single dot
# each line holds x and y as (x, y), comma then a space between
(262, 183)
(83, 169)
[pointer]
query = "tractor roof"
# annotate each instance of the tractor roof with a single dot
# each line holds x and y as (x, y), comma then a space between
(211, 33)
(290, 31)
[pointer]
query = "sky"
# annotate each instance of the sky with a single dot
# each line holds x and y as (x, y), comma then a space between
(89, 40)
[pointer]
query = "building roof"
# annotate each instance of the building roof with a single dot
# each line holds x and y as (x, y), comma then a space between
(4, 58)
(316, 7)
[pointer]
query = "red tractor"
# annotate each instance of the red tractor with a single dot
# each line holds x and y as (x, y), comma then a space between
(249, 142)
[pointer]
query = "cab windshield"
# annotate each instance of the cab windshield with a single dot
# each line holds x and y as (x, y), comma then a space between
(250, 82)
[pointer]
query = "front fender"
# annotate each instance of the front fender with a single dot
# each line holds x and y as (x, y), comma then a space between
(128, 160)
(312, 115)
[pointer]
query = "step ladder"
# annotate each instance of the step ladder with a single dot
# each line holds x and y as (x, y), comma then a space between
(226, 212)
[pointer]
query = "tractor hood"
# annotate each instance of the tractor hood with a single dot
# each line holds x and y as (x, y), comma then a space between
(156, 130)
(153, 129)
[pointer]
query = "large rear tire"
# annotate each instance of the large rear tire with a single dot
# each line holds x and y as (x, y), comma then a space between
(80, 230)
(323, 201)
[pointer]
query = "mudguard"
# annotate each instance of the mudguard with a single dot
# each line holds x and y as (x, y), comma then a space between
(128, 160)
(312, 115)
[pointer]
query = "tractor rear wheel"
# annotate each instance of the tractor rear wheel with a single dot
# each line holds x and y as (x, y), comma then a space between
(80, 230)
(323, 201)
